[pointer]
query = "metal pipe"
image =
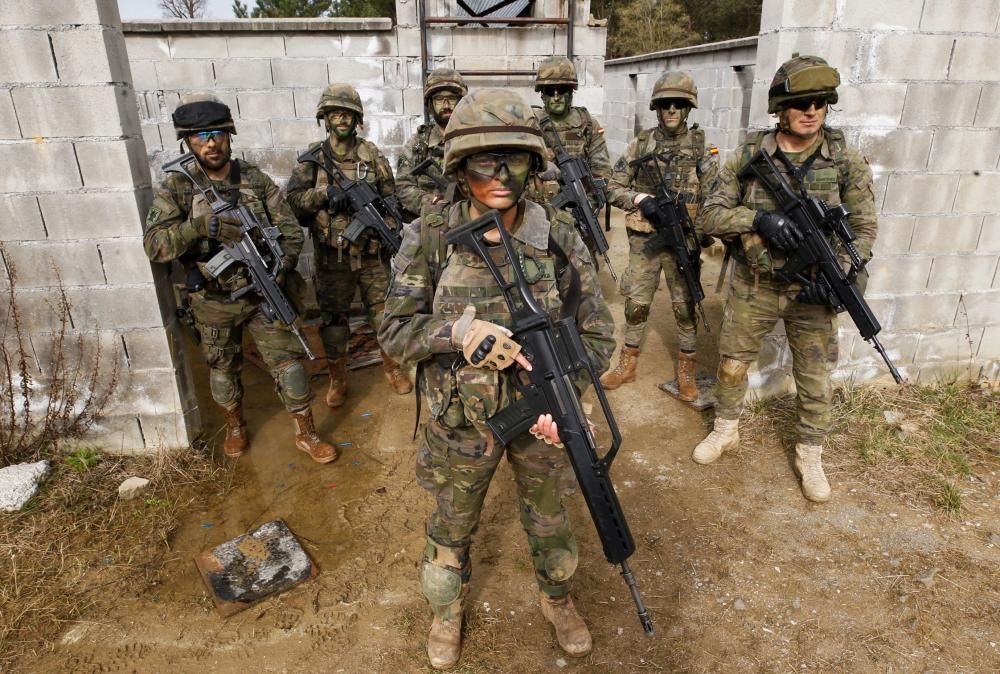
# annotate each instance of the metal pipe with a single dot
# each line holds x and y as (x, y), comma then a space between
(569, 29)
(512, 20)
(491, 73)
(421, 20)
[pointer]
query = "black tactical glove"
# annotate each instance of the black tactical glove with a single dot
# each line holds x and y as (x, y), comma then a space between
(225, 228)
(335, 196)
(815, 292)
(287, 265)
(648, 208)
(778, 229)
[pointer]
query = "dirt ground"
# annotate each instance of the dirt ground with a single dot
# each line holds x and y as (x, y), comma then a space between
(739, 571)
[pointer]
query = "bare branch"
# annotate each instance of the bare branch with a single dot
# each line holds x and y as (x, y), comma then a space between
(183, 9)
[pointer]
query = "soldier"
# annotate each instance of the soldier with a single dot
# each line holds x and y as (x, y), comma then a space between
(444, 304)
(816, 157)
(578, 131)
(691, 166)
(341, 266)
(180, 226)
(442, 92)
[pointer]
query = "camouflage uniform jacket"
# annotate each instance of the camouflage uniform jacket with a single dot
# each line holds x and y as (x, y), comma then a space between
(171, 235)
(693, 168)
(581, 136)
(839, 175)
(420, 313)
(428, 141)
(308, 199)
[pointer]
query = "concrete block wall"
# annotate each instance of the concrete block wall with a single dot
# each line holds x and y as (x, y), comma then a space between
(73, 193)
(919, 95)
(723, 72)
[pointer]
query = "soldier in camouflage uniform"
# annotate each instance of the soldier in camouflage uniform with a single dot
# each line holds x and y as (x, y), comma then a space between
(180, 226)
(443, 304)
(342, 266)
(579, 132)
(692, 168)
(743, 213)
(443, 90)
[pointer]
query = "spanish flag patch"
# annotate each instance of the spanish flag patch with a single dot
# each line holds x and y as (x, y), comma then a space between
(713, 150)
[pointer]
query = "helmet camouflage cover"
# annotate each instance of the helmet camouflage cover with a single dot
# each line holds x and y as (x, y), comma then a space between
(340, 95)
(556, 70)
(489, 119)
(444, 79)
(802, 77)
(202, 112)
(675, 84)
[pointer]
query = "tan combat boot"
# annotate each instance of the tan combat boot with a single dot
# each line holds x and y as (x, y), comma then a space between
(337, 392)
(624, 372)
(809, 468)
(236, 441)
(444, 641)
(394, 374)
(725, 435)
(687, 388)
(307, 440)
(571, 632)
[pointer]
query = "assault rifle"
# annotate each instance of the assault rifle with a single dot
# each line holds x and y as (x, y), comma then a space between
(429, 167)
(367, 206)
(674, 231)
(816, 220)
(577, 181)
(262, 261)
(556, 352)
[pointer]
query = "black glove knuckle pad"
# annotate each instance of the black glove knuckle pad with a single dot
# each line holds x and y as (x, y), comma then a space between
(483, 350)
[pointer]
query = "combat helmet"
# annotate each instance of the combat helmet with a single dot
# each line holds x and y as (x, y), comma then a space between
(676, 84)
(444, 79)
(340, 95)
(202, 112)
(489, 119)
(802, 77)
(556, 70)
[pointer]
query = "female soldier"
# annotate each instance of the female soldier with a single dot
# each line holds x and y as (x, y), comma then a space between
(443, 303)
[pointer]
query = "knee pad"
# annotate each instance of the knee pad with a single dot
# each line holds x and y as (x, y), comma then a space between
(441, 573)
(556, 561)
(335, 320)
(635, 313)
(292, 383)
(732, 371)
(682, 312)
(225, 387)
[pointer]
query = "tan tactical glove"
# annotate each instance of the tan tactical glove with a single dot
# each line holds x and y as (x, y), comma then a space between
(225, 228)
(484, 344)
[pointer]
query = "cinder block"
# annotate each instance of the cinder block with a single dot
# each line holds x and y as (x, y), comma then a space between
(294, 133)
(408, 42)
(974, 58)
(385, 131)
(243, 74)
(413, 72)
(152, 47)
(945, 233)
(256, 46)
(962, 272)
(73, 111)
(29, 12)
(989, 241)
(313, 46)
(940, 104)
(790, 14)
(988, 114)
(34, 63)
(276, 103)
(406, 12)
(894, 149)
(197, 46)
(118, 434)
(908, 56)
(920, 193)
(278, 162)
(924, 311)
(306, 101)
(113, 307)
(978, 193)
(973, 16)
(119, 163)
(900, 348)
(439, 43)
(479, 41)
(255, 133)
(413, 101)
(125, 261)
(978, 308)
(382, 44)
(9, 128)
(989, 346)
(885, 15)
(360, 72)
(143, 76)
(184, 75)
(894, 234)
(382, 101)
(89, 56)
(20, 219)
(588, 41)
(865, 105)
(151, 137)
(41, 264)
(530, 40)
(394, 73)
(898, 274)
(165, 431)
(147, 349)
(299, 73)
(41, 166)
(965, 149)
(91, 215)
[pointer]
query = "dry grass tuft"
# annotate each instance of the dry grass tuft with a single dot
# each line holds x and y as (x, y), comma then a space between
(916, 442)
(75, 544)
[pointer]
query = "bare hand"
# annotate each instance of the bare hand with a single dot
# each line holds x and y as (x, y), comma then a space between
(546, 429)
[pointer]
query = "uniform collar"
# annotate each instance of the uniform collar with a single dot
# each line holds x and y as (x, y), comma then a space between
(667, 137)
(533, 229)
(436, 135)
(770, 143)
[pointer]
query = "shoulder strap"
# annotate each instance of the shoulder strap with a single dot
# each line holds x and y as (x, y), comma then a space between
(571, 303)
(838, 148)
(235, 180)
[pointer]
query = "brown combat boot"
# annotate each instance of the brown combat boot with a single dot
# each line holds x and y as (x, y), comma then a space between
(337, 392)
(394, 374)
(571, 632)
(687, 388)
(444, 641)
(307, 440)
(624, 372)
(236, 441)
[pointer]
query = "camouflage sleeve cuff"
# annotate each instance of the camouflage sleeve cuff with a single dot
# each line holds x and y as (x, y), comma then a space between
(440, 339)
(188, 233)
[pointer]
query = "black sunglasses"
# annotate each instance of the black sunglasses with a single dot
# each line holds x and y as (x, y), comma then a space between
(804, 104)
(556, 91)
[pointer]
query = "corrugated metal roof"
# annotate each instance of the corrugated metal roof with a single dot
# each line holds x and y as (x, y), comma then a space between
(485, 8)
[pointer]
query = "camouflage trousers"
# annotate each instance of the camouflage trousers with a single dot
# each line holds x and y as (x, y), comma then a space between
(453, 467)
(639, 284)
(221, 324)
(750, 314)
(336, 282)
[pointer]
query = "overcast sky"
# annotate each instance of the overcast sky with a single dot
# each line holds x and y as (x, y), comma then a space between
(150, 9)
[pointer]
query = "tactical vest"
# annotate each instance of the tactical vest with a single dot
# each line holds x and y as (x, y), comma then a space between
(576, 130)
(327, 226)
(422, 149)
(684, 153)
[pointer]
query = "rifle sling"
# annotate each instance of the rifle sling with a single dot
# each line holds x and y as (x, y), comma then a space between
(572, 302)
(800, 173)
